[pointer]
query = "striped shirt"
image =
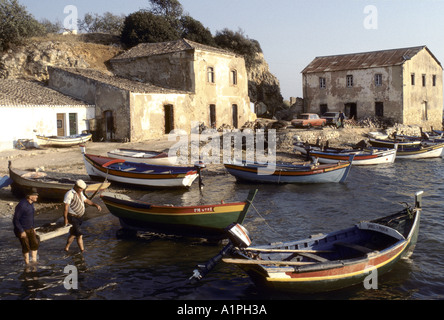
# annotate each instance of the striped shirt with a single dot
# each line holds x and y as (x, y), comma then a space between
(76, 205)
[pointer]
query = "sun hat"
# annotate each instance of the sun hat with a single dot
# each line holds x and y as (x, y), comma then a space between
(81, 184)
(32, 192)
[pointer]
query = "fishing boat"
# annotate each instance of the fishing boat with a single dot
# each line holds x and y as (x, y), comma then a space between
(326, 262)
(422, 151)
(391, 143)
(204, 221)
(63, 141)
(50, 185)
(362, 157)
(148, 157)
(139, 174)
(289, 173)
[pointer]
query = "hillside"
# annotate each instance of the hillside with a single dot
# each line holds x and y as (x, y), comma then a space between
(94, 50)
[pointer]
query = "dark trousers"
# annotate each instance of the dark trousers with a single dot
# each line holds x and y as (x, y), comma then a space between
(29, 243)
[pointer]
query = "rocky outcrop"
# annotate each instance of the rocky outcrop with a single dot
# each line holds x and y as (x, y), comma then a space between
(31, 61)
(264, 89)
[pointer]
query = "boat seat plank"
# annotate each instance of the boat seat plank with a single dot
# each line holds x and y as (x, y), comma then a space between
(313, 256)
(353, 246)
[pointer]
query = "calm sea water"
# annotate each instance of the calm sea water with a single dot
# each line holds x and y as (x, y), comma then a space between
(157, 268)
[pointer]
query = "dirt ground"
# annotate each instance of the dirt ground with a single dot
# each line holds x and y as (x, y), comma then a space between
(70, 160)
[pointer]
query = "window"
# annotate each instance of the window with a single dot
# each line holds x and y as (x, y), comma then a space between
(349, 81)
(412, 78)
(423, 80)
(213, 116)
(210, 73)
(378, 79)
(434, 80)
(322, 83)
(233, 77)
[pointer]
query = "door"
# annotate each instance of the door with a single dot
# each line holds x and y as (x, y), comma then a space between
(109, 125)
(60, 124)
(379, 109)
(169, 118)
(212, 115)
(235, 116)
(73, 129)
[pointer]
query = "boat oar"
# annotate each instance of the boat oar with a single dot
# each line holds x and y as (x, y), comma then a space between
(100, 187)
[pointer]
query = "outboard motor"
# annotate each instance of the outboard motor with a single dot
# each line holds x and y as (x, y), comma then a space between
(199, 166)
(238, 237)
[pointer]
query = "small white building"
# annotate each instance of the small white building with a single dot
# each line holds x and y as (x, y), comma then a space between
(28, 108)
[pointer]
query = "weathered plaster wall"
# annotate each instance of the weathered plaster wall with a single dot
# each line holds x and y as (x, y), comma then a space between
(423, 105)
(165, 70)
(79, 87)
(222, 93)
(364, 91)
(148, 114)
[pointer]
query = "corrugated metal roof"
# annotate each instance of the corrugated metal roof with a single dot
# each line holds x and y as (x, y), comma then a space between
(152, 49)
(363, 60)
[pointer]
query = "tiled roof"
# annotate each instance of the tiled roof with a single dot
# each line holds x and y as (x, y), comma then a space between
(23, 92)
(119, 82)
(152, 49)
(363, 60)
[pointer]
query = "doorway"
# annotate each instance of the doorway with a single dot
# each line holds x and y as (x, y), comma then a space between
(73, 128)
(212, 115)
(109, 125)
(235, 116)
(169, 118)
(351, 110)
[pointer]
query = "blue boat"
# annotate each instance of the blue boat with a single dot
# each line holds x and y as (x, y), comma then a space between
(288, 173)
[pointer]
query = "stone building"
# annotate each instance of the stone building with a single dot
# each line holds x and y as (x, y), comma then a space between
(29, 108)
(404, 85)
(158, 87)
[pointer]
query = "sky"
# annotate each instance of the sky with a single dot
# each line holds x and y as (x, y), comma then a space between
(293, 32)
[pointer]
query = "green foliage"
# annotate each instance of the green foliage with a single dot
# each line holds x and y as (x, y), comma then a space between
(145, 26)
(16, 24)
(107, 23)
(194, 30)
(240, 44)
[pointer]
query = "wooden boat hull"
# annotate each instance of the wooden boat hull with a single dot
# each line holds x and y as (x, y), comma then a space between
(387, 240)
(58, 141)
(143, 156)
(422, 152)
(382, 143)
(282, 174)
(362, 158)
(50, 189)
(146, 175)
(208, 221)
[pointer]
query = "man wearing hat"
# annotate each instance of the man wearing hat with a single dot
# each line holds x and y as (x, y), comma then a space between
(23, 222)
(73, 212)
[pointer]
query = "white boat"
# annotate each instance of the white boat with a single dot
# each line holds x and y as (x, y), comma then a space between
(62, 141)
(143, 156)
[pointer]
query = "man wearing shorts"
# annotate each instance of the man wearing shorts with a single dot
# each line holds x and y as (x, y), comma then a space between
(23, 222)
(73, 212)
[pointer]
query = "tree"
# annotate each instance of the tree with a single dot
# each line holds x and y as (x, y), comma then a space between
(145, 26)
(194, 30)
(16, 24)
(240, 44)
(108, 23)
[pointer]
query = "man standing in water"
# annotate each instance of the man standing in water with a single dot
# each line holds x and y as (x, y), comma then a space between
(23, 222)
(73, 212)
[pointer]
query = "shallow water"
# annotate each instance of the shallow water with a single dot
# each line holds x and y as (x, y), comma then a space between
(158, 267)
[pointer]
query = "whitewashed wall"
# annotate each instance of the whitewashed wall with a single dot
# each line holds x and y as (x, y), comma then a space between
(24, 122)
